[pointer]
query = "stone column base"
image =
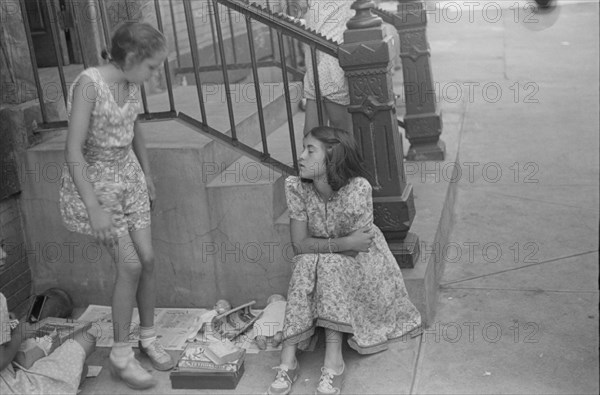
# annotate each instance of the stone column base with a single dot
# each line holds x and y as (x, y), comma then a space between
(427, 151)
(406, 251)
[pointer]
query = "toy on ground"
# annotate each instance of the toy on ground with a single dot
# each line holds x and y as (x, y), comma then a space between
(269, 327)
(230, 324)
(222, 306)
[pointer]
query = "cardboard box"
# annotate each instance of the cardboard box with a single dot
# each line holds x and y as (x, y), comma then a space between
(195, 370)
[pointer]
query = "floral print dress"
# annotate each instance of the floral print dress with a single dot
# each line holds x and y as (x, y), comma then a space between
(111, 165)
(364, 296)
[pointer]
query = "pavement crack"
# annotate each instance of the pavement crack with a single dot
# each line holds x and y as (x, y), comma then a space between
(525, 290)
(442, 285)
(544, 201)
(418, 362)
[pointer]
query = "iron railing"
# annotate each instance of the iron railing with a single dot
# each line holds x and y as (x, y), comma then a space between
(284, 34)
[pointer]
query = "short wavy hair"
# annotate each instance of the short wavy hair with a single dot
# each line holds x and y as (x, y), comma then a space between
(343, 160)
(139, 38)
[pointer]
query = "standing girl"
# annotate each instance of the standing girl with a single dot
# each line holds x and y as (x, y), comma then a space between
(345, 277)
(108, 190)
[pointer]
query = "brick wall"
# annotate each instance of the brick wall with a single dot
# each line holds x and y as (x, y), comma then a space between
(17, 87)
(15, 276)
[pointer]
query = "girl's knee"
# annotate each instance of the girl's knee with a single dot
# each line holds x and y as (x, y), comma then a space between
(130, 268)
(147, 260)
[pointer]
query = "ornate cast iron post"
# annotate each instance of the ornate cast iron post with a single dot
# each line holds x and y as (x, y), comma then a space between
(365, 57)
(423, 121)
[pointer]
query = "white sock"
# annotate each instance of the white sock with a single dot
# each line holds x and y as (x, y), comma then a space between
(147, 335)
(120, 353)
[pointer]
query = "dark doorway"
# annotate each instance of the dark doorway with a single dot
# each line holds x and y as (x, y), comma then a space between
(46, 16)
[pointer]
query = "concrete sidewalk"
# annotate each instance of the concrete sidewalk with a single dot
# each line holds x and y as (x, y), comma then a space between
(518, 308)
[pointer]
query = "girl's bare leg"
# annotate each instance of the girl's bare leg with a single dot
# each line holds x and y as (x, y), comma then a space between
(288, 356)
(123, 364)
(146, 289)
(335, 115)
(146, 300)
(338, 116)
(333, 350)
(128, 275)
(311, 118)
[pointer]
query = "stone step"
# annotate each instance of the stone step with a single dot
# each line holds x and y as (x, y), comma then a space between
(248, 171)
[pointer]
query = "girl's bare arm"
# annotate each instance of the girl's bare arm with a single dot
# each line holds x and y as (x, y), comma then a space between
(303, 243)
(139, 147)
(81, 110)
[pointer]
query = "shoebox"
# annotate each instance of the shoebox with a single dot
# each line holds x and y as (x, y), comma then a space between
(59, 330)
(195, 370)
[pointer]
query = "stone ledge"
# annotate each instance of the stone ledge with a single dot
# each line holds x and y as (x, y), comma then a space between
(434, 186)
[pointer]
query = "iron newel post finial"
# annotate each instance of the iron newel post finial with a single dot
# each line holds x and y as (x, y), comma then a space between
(367, 63)
(364, 18)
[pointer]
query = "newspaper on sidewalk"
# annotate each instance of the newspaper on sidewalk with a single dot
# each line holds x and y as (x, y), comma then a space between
(174, 326)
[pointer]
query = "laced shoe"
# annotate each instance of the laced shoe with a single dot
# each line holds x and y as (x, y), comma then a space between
(330, 383)
(132, 374)
(282, 385)
(161, 360)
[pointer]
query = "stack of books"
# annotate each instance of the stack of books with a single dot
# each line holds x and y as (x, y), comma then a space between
(195, 369)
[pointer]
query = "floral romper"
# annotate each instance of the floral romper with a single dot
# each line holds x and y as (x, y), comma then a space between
(329, 19)
(365, 295)
(112, 167)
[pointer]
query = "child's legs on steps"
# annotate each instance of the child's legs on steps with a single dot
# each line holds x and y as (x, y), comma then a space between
(311, 118)
(334, 114)
(338, 116)
(146, 290)
(128, 275)
(333, 350)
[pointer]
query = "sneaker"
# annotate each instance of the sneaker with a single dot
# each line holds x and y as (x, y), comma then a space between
(132, 374)
(330, 383)
(282, 385)
(161, 360)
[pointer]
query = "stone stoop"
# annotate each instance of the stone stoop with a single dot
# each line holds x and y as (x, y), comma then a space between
(182, 162)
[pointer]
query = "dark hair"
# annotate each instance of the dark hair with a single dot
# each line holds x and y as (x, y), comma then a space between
(343, 160)
(141, 39)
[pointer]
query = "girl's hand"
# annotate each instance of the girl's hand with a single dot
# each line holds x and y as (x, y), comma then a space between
(151, 190)
(102, 225)
(361, 239)
(26, 329)
(350, 253)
